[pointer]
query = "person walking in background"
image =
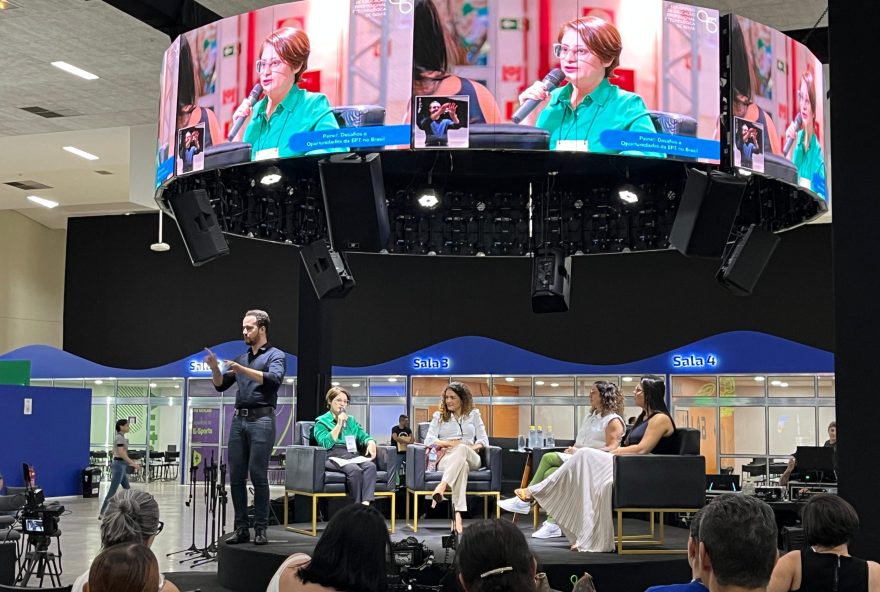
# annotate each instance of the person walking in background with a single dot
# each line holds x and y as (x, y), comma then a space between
(120, 464)
(258, 373)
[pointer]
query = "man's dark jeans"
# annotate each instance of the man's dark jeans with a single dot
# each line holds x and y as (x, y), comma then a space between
(250, 446)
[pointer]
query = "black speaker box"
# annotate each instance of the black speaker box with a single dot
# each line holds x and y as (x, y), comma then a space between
(747, 261)
(354, 200)
(706, 213)
(551, 281)
(327, 271)
(198, 226)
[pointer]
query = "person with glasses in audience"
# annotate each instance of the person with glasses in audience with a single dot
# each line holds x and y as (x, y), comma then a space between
(285, 109)
(132, 516)
(576, 114)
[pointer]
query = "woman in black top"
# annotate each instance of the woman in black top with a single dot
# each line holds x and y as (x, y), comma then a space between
(826, 566)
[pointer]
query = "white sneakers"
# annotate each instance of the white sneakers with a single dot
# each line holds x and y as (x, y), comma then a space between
(548, 530)
(515, 505)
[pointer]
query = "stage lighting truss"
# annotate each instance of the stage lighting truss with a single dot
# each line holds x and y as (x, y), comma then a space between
(481, 216)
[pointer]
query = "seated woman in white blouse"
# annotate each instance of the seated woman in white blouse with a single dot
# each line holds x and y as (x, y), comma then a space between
(458, 427)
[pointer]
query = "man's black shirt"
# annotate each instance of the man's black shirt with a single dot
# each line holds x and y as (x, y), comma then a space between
(272, 362)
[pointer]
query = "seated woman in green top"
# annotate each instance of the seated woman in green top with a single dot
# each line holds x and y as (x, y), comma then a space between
(286, 109)
(577, 114)
(807, 155)
(341, 435)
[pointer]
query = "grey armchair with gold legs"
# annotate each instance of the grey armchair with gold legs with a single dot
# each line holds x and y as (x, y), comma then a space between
(485, 481)
(305, 475)
(657, 484)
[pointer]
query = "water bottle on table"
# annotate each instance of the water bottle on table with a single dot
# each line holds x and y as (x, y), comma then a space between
(539, 438)
(432, 459)
(532, 437)
(550, 439)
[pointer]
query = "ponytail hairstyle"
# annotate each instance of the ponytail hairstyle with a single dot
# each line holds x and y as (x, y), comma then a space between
(493, 556)
(132, 516)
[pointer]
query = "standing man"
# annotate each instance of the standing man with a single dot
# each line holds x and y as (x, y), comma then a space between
(401, 435)
(258, 373)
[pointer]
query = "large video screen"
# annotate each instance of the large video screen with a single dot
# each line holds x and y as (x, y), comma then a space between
(777, 106)
(634, 77)
(307, 77)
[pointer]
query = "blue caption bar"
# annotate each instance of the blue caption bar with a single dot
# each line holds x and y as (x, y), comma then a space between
(351, 137)
(164, 170)
(668, 144)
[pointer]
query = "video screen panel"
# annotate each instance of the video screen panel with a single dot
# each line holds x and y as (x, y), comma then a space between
(634, 77)
(777, 106)
(307, 77)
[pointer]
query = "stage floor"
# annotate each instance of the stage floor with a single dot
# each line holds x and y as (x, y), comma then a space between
(247, 568)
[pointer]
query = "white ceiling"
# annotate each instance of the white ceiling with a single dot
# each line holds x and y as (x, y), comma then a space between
(114, 116)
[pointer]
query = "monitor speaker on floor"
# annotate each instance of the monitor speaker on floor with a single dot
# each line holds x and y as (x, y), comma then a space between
(195, 217)
(551, 281)
(354, 200)
(706, 213)
(750, 255)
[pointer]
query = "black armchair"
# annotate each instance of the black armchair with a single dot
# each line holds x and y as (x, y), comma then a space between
(485, 481)
(659, 483)
(305, 475)
(676, 124)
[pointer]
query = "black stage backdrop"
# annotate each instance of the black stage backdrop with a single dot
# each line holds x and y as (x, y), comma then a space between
(128, 307)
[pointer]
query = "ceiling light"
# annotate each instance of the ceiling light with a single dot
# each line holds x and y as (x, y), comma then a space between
(554, 384)
(428, 198)
(153, 385)
(289, 381)
(42, 201)
(783, 384)
(160, 246)
(177, 386)
(355, 384)
(744, 172)
(539, 383)
(170, 401)
(627, 379)
(775, 383)
(80, 153)
(509, 379)
(759, 379)
(99, 381)
(392, 379)
(74, 70)
(628, 193)
(334, 383)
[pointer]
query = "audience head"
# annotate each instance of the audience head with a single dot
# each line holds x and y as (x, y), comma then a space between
(609, 398)
(353, 552)
(829, 520)
(128, 566)
(403, 421)
(694, 540)
(457, 399)
(493, 556)
(120, 424)
(737, 542)
(599, 36)
(832, 432)
(132, 516)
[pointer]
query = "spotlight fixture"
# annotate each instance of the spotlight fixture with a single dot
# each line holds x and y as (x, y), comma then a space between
(428, 198)
(271, 176)
(160, 246)
(628, 193)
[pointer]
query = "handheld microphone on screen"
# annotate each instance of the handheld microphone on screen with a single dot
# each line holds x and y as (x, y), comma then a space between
(239, 121)
(553, 79)
(799, 123)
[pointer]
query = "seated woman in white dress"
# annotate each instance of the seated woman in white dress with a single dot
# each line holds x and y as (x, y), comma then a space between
(457, 427)
(602, 428)
(578, 495)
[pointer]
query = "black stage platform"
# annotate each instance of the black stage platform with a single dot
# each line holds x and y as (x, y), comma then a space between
(248, 568)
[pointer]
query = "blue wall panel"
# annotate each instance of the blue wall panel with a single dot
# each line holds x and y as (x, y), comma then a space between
(54, 438)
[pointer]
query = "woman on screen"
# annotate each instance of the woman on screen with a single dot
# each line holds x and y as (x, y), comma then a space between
(285, 110)
(807, 152)
(431, 67)
(189, 113)
(741, 79)
(588, 49)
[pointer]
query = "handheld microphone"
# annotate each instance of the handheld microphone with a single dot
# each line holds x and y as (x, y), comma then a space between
(239, 121)
(550, 82)
(799, 121)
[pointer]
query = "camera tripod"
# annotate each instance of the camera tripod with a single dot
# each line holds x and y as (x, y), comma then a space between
(39, 560)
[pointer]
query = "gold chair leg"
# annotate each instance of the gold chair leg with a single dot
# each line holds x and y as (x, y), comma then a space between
(661, 526)
(497, 507)
(485, 507)
(619, 532)
(393, 509)
(314, 515)
(415, 526)
(285, 510)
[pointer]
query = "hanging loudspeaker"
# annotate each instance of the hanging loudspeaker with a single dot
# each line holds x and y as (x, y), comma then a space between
(354, 200)
(198, 226)
(706, 213)
(741, 271)
(551, 281)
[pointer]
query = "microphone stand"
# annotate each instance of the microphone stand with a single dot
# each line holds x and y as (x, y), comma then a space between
(222, 498)
(192, 489)
(202, 552)
(210, 552)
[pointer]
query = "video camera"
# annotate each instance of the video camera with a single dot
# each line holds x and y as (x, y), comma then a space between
(407, 557)
(38, 518)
